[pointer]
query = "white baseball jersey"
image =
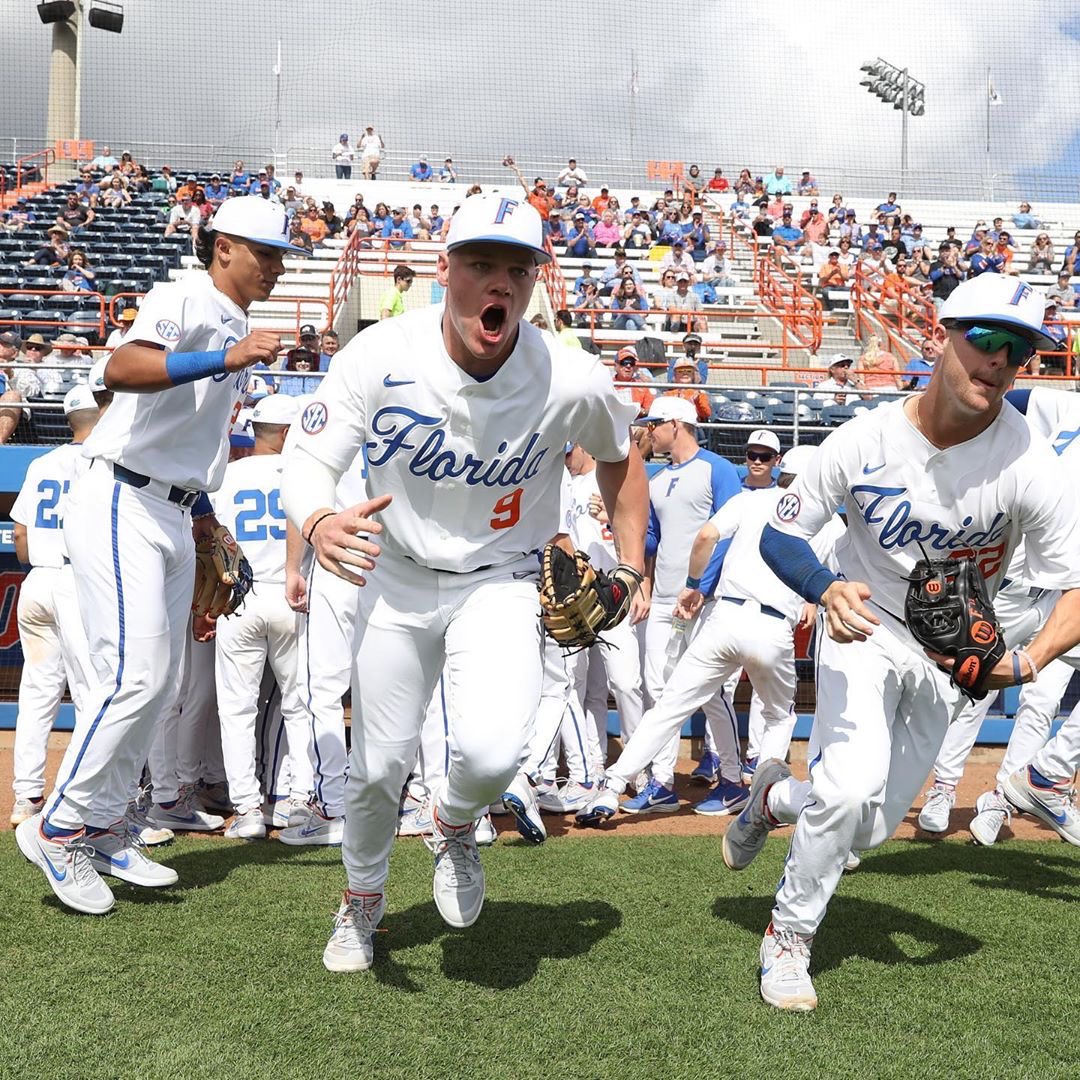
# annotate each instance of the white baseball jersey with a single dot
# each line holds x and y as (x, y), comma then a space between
(180, 435)
(248, 504)
(975, 499)
(40, 503)
(474, 466)
(586, 533)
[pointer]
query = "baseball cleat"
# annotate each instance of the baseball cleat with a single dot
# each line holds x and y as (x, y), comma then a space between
(458, 884)
(139, 824)
(1028, 790)
(603, 805)
(314, 831)
(852, 862)
(934, 816)
(708, 769)
(486, 833)
(655, 798)
(568, 799)
(520, 799)
(116, 853)
(785, 970)
(746, 770)
(284, 813)
(24, 809)
(184, 815)
(992, 810)
(352, 944)
(214, 798)
(247, 825)
(415, 821)
(726, 798)
(746, 835)
(66, 864)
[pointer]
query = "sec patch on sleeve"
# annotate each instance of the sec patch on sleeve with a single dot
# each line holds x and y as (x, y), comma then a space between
(787, 509)
(167, 330)
(314, 418)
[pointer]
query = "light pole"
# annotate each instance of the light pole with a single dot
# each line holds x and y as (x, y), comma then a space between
(895, 87)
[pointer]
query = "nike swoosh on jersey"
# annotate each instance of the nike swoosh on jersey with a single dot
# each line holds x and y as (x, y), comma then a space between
(867, 471)
(387, 381)
(225, 320)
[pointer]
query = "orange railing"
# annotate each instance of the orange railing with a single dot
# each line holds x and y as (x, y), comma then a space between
(87, 302)
(903, 314)
(26, 165)
(553, 279)
(782, 290)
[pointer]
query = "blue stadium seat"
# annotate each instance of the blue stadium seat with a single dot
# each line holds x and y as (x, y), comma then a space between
(835, 415)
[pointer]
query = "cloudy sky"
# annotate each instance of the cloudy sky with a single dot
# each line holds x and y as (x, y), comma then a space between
(720, 83)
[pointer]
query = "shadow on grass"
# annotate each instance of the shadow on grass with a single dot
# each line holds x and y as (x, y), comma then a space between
(1051, 872)
(856, 927)
(502, 950)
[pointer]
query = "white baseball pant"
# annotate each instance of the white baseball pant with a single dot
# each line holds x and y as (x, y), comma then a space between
(263, 631)
(731, 637)
(882, 712)
(134, 562)
(482, 627)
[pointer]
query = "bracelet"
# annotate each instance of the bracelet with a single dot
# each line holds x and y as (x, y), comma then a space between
(693, 583)
(315, 524)
(1017, 654)
(191, 366)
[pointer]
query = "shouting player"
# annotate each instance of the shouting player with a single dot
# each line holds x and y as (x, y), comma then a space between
(465, 410)
(162, 444)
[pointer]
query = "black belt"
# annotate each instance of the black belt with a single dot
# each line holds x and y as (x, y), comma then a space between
(180, 496)
(765, 608)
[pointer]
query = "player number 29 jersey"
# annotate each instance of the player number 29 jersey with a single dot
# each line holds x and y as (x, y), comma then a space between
(40, 503)
(248, 504)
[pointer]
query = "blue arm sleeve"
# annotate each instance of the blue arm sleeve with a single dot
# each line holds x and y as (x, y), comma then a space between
(201, 507)
(793, 561)
(1019, 399)
(725, 483)
(652, 535)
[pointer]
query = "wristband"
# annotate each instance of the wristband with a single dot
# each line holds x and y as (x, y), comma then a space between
(315, 524)
(693, 583)
(1017, 654)
(191, 366)
(201, 507)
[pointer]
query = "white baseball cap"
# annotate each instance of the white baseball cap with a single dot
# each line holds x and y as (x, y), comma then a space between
(241, 435)
(251, 217)
(275, 409)
(96, 378)
(256, 388)
(493, 219)
(671, 407)
(79, 397)
(768, 439)
(796, 459)
(1000, 300)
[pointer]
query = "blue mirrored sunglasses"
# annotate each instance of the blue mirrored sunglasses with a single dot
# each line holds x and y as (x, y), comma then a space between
(992, 339)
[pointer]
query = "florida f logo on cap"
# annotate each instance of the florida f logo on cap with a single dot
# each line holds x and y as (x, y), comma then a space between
(251, 217)
(494, 219)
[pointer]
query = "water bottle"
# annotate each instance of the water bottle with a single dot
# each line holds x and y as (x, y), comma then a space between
(675, 645)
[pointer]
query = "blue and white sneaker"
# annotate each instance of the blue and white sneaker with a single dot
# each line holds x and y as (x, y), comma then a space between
(603, 805)
(1028, 790)
(520, 799)
(414, 819)
(568, 799)
(654, 799)
(708, 769)
(184, 815)
(726, 798)
(747, 770)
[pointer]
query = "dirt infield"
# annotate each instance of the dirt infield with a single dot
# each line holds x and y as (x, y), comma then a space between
(978, 777)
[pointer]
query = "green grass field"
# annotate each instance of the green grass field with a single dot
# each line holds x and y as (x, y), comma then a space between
(603, 957)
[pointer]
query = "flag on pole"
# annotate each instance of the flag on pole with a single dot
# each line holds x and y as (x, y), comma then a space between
(991, 92)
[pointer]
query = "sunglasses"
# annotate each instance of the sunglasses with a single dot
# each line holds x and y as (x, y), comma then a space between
(992, 340)
(759, 455)
(627, 363)
(652, 425)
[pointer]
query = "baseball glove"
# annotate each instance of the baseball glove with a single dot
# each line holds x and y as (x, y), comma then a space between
(579, 603)
(948, 611)
(223, 576)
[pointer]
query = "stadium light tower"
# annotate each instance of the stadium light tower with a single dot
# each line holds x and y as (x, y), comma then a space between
(893, 86)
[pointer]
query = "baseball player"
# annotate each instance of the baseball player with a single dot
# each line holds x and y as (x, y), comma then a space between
(162, 442)
(752, 625)
(954, 469)
(682, 497)
(51, 633)
(465, 410)
(248, 504)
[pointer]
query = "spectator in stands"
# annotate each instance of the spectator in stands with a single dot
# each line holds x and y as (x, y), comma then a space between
(698, 237)
(762, 224)
(393, 300)
(448, 174)
(564, 329)
(381, 216)
(679, 261)
(686, 376)
(1052, 328)
(978, 235)
(291, 202)
(606, 233)
(671, 232)
(613, 275)
(240, 180)
(664, 295)
(1072, 254)
(638, 233)
(777, 206)
(164, 182)
(778, 183)
(896, 247)
(816, 229)
(836, 387)
(342, 155)
(161, 214)
(718, 182)
(115, 195)
(329, 344)
(877, 367)
(188, 187)
(557, 228)
(79, 276)
(32, 384)
(871, 240)
(1025, 219)
(693, 183)
(851, 230)
(744, 185)
(1004, 248)
(422, 172)
(837, 211)
(740, 209)
(787, 240)
(128, 165)
(371, 147)
(74, 215)
(631, 304)
(19, 217)
(435, 221)
(899, 290)
(298, 182)
(832, 275)
(585, 279)
(216, 192)
(585, 303)
(571, 175)
(986, 260)
(104, 161)
(297, 235)
(305, 360)
(185, 217)
(397, 229)
(271, 177)
(314, 226)
(847, 255)
(265, 191)
(10, 414)
(540, 322)
(716, 269)
(126, 319)
(579, 241)
(87, 189)
(334, 224)
(202, 204)
(685, 302)
(629, 380)
(55, 251)
(1041, 255)
(807, 184)
(995, 228)
(1061, 292)
(920, 368)
(922, 258)
(889, 206)
(691, 345)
